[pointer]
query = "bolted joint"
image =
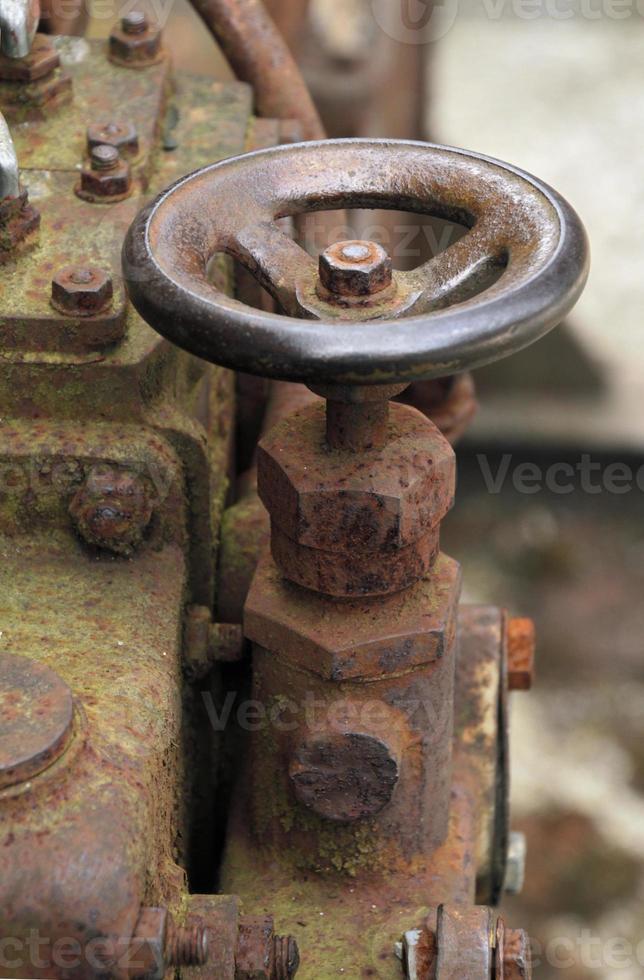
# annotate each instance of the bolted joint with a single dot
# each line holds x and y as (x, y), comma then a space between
(355, 269)
(158, 944)
(185, 945)
(122, 136)
(108, 178)
(81, 290)
(135, 42)
(261, 955)
(113, 509)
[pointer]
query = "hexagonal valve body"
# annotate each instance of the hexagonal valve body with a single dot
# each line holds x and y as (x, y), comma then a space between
(356, 490)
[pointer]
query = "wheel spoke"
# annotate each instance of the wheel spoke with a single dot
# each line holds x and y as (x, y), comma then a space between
(276, 261)
(457, 273)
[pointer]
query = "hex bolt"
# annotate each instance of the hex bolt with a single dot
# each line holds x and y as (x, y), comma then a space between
(521, 643)
(355, 269)
(134, 22)
(108, 177)
(112, 509)
(135, 42)
(122, 135)
(185, 945)
(81, 290)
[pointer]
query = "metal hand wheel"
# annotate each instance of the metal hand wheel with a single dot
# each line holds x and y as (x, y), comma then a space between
(513, 276)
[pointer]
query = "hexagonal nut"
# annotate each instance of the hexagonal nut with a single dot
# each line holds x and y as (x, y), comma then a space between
(373, 502)
(399, 632)
(255, 959)
(113, 509)
(351, 573)
(145, 953)
(40, 62)
(135, 50)
(81, 290)
(121, 135)
(355, 268)
(105, 185)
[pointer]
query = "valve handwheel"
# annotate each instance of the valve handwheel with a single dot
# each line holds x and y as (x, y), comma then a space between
(514, 275)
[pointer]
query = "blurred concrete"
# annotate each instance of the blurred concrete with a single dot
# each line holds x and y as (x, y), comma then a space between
(564, 99)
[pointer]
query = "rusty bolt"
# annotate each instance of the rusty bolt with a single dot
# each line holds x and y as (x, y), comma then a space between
(355, 268)
(113, 509)
(343, 776)
(185, 945)
(158, 943)
(121, 135)
(521, 650)
(107, 178)
(40, 62)
(261, 955)
(135, 43)
(81, 290)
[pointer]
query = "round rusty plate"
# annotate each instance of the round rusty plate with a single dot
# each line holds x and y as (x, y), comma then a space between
(512, 277)
(36, 712)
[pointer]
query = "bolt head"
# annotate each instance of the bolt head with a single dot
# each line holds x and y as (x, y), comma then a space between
(112, 510)
(135, 43)
(355, 268)
(107, 178)
(81, 290)
(121, 135)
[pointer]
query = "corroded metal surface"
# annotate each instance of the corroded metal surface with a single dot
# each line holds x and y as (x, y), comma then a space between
(102, 831)
(36, 710)
(351, 929)
(363, 523)
(525, 245)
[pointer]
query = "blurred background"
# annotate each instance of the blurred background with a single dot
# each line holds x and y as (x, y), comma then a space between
(555, 87)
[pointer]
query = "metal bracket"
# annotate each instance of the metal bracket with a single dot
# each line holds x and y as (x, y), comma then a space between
(18, 23)
(9, 172)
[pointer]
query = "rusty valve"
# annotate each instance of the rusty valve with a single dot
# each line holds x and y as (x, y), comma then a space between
(506, 283)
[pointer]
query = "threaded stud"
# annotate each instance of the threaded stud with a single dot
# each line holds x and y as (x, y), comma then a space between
(287, 958)
(186, 945)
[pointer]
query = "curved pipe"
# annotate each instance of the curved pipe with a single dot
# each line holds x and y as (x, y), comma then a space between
(259, 55)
